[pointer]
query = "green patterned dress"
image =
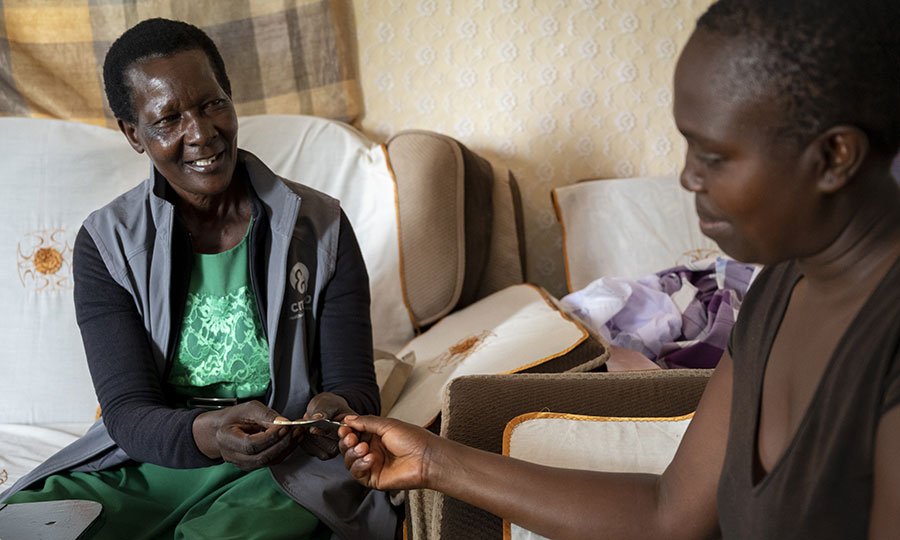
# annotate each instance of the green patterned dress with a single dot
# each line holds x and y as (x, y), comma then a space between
(222, 353)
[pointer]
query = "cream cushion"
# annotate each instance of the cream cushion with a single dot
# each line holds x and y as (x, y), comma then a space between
(54, 173)
(391, 374)
(472, 244)
(595, 443)
(627, 228)
(513, 330)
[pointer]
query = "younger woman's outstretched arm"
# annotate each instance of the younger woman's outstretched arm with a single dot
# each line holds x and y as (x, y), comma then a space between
(557, 503)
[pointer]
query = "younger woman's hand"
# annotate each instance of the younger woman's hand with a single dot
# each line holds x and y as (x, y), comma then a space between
(395, 456)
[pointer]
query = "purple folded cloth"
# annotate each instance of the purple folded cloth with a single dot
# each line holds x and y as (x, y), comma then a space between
(680, 317)
(708, 317)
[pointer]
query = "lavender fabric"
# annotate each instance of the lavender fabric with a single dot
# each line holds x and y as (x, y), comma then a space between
(895, 168)
(680, 317)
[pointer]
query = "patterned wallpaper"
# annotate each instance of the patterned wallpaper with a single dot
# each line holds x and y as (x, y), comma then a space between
(556, 90)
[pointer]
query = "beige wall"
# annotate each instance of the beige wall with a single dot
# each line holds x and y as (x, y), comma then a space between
(557, 90)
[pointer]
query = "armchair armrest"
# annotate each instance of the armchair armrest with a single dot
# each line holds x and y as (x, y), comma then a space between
(477, 408)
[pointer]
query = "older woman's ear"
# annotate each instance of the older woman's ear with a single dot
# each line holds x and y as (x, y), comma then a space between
(843, 150)
(129, 130)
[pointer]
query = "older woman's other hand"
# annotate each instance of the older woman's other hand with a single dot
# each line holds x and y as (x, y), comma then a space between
(245, 436)
(395, 456)
(319, 442)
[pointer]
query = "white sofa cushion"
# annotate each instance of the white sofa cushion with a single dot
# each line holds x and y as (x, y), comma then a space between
(627, 228)
(513, 330)
(54, 173)
(645, 445)
(24, 447)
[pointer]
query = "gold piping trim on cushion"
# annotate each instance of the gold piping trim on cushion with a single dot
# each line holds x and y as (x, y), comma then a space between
(432, 421)
(515, 422)
(409, 312)
(584, 334)
(565, 245)
(432, 316)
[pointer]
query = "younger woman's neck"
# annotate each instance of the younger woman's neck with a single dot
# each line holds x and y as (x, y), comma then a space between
(865, 248)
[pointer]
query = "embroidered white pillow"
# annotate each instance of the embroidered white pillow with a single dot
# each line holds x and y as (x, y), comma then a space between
(53, 174)
(506, 332)
(595, 443)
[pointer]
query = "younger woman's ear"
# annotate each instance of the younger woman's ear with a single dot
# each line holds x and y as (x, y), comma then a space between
(128, 129)
(843, 149)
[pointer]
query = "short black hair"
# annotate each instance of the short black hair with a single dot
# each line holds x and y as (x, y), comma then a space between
(153, 38)
(831, 62)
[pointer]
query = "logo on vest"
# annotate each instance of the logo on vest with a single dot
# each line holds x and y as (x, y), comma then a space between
(299, 279)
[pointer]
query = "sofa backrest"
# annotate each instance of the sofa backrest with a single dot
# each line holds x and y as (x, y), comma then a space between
(54, 173)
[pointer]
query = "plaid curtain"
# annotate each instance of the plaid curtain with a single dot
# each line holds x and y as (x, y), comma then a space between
(282, 56)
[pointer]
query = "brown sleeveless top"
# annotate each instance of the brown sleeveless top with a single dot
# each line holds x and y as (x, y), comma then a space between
(822, 486)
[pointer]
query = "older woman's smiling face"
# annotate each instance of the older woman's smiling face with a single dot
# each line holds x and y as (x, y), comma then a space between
(185, 122)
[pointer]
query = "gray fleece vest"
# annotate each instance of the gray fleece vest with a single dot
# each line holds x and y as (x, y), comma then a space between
(134, 236)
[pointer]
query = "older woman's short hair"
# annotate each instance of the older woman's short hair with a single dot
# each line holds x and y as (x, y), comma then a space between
(153, 38)
(829, 62)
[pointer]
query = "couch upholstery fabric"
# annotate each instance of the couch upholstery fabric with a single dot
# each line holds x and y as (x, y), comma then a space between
(451, 190)
(476, 409)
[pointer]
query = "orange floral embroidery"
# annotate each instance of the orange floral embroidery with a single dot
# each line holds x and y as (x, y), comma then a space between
(45, 260)
(3, 476)
(455, 354)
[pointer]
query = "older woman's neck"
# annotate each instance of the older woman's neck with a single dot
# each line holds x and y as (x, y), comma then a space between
(217, 223)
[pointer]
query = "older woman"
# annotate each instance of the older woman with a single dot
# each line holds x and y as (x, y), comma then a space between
(790, 113)
(210, 289)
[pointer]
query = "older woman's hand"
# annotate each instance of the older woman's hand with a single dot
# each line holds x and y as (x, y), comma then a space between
(318, 442)
(245, 436)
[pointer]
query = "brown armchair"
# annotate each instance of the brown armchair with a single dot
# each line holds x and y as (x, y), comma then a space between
(477, 408)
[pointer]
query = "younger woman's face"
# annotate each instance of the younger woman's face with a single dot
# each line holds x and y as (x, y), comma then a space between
(754, 193)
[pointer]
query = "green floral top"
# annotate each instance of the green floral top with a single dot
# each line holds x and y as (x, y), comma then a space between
(222, 351)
